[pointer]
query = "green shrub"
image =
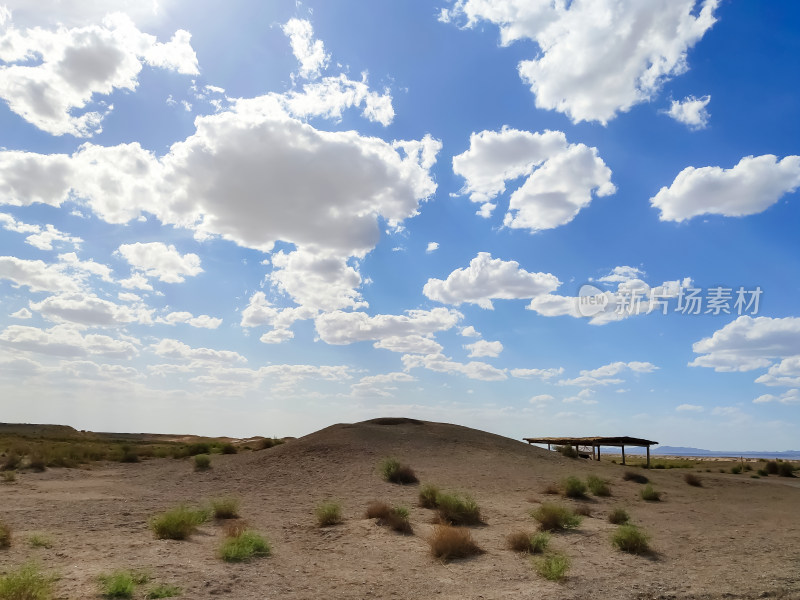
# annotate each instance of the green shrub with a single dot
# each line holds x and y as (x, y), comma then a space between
(633, 476)
(328, 513)
(202, 462)
(597, 486)
(12, 462)
(522, 541)
(554, 517)
(454, 509)
(225, 508)
(9, 476)
(693, 480)
(771, 467)
(228, 448)
(618, 516)
(568, 451)
(452, 542)
(198, 448)
(128, 455)
(630, 538)
(266, 443)
(163, 590)
(736, 469)
(394, 517)
(5, 535)
(248, 544)
(394, 472)
(38, 540)
(650, 494)
(429, 496)
(762, 472)
(583, 510)
(38, 464)
(121, 584)
(26, 583)
(574, 488)
(178, 523)
(553, 566)
(785, 469)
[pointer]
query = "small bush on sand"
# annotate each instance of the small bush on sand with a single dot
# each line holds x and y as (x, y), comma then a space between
(771, 467)
(394, 472)
(452, 542)
(693, 480)
(202, 462)
(235, 527)
(598, 486)
(266, 443)
(225, 508)
(5, 535)
(785, 469)
(9, 476)
(551, 489)
(583, 510)
(328, 513)
(26, 583)
(248, 544)
(393, 517)
(553, 566)
(163, 590)
(13, 462)
(228, 448)
(634, 476)
(198, 448)
(567, 451)
(650, 494)
(121, 584)
(736, 469)
(37, 540)
(630, 538)
(522, 541)
(618, 516)
(429, 496)
(37, 464)
(554, 517)
(574, 488)
(454, 509)
(762, 473)
(178, 523)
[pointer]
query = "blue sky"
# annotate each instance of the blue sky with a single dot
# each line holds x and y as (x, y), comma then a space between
(270, 217)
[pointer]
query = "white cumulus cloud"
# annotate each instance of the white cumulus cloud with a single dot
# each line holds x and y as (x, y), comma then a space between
(157, 259)
(691, 112)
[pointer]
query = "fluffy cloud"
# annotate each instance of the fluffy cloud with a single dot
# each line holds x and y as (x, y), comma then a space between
(484, 348)
(308, 51)
(752, 186)
(788, 397)
(156, 259)
(66, 341)
(38, 237)
(605, 375)
(432, 247)
(622, 274)
(36, 275)
(597, 57)
(22, 313)
(442, 364)
(488, 279)
(82, 12)
(90, 311)
(541, 399)
(470, 331)
(200, 321)
(689, 408)
(538, 373)
(411, 332)
(785, 373)
(75, 64)
(749, 343)
(381, 385)
(174, 349)
(560, 177)
(691, 112)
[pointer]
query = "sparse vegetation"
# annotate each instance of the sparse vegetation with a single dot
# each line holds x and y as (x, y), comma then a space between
(568, 451)
(5, 535)
(328, 513)
(583, 510)
(449, 542)
(248, 544)
(554, 517)
(629, 538)
(163, 590)
(202, 462)
(634, 476)
(37, 464)
(225, 508)
(553, 566)
(522, 541)
(650, 494)
(178, 523)
(9, 476)
(266, 443)
(692, 480)
(227, 448)
(618, 516)
(393, 471)
(762, 473)
(598, 487)
(235, 527)
(736, 469)
(455, 509)
(393, 517)
(26, 583)
(771, 467)
(13, 462)
(38, 540)
(429, 496)
(551, 489)
(121, 584)
(785, 469)
(574, 488)
(129, 455)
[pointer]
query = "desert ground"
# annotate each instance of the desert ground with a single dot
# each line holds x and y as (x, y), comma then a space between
(734, 537)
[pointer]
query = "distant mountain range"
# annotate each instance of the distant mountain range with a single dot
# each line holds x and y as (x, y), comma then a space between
(684, 451)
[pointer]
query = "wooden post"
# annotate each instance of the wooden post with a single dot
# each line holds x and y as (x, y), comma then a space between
(623, 454)
(548, 446)
(593, 454)
(648, 457)
(598, 453)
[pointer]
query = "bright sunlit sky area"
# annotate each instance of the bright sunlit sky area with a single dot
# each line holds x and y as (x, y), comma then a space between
(533, 217)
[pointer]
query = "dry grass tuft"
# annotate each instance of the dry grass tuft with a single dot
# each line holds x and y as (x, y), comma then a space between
(693, 480)
(429, 496)
(393, 471)
(629, 538)
(452, 542)
(597, 486)
(551, 489)
(583, 510)
(522, 541)
(650, 494)
(178, 523)
(328, 513)
(553, 566)
(618, 516)
(5, 535)
(554, 517)
(235, 527)
(574, 488)
(26, 583)
(454, 509)
(225, 508)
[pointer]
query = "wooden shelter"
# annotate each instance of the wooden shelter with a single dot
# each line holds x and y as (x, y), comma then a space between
(596, 443)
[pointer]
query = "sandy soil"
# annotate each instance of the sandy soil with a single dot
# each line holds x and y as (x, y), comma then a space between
(735, 537)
